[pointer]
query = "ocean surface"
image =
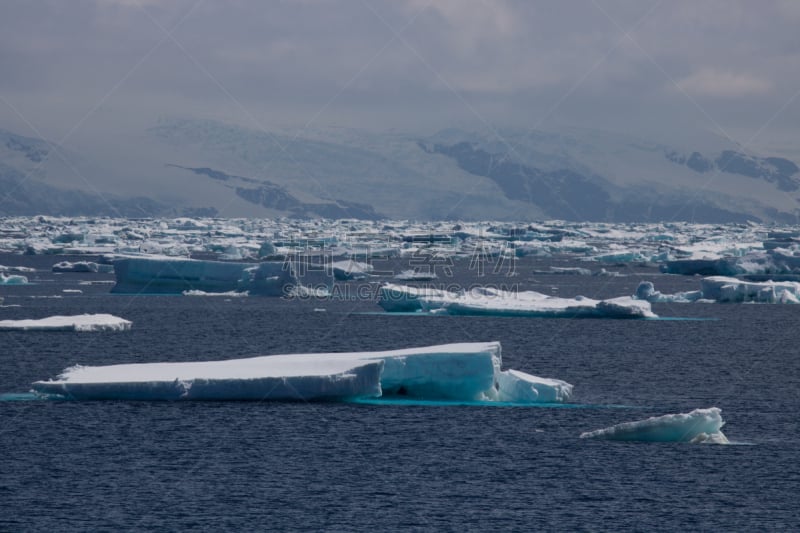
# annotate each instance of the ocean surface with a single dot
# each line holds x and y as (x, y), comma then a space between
(139, 466)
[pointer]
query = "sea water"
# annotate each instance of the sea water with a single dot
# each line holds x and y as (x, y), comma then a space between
(398, 465)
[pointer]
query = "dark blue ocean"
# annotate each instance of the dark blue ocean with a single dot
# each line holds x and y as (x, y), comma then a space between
(139, 466)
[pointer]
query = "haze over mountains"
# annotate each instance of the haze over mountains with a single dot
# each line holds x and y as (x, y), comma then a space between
(198, 167)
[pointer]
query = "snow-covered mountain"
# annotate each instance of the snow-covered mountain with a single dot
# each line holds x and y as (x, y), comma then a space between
(186, 165)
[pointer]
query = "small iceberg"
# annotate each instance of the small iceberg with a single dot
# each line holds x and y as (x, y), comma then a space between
(99, 322)
(647, 291)
(486, 301)
(698, 426)
(12, 279)
(82, 266)
(350, 270)
(414, 275)
(462, 372)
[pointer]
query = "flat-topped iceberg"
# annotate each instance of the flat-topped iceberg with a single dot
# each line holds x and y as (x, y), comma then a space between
(167, 275)
(496, 302)
(98, 322)
(82, 266)
(466, 371)
(725, 290)
(698, 426)
(403, 298)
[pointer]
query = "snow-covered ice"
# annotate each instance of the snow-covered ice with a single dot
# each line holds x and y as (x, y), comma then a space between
(725, 289)
(347, 270)
(87, 322)
(497, 302)
(413, 275)
(82, 266)
(698, 426)
(646, 291)
(229, 294)
(466, 371)
(402, 298)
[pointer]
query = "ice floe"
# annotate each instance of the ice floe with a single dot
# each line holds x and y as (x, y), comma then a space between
(725, 289)
(698, 426)
(13, 279)
(82, 266)
(496, 302)
(86, 322)
(466, 371)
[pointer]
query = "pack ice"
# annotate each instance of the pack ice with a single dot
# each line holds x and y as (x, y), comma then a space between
(698, 426)
(97, 322)
(466, 371)
(170, 275)
(496, 302)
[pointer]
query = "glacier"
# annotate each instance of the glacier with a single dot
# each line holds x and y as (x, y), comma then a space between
(463, 371)
(698, 426)
(86, 322)
(496, 302)
(168, 275)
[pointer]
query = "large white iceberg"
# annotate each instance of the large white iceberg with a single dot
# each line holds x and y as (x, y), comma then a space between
(98, 322)
(174, 276)
(698, 426)
(466, 371)
(496, 302)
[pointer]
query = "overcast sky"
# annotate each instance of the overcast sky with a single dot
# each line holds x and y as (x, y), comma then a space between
(94, 66)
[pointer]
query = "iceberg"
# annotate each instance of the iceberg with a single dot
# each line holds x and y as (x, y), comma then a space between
(99, 322)
(466, 371)
(496, 302)
(167, 275)
(82, 266)
(647, 291)
(725, 289)
(229, 294)
(12, 279)
(698, 426)
(348, 270)
(403, 298)
(413, 275)
(704, 267)
(516, 386)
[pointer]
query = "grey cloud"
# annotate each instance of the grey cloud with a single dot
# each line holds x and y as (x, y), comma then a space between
(455, 60)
